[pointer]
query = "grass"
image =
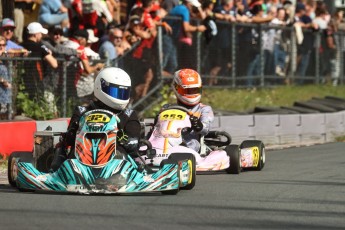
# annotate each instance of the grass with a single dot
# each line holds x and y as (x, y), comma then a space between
(245, 99)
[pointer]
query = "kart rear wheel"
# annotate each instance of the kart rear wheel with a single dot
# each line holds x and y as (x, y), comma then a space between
(44, 161)
(192, 167)
(262, 154)
(11, 170)
(173, 191)
(233, 151)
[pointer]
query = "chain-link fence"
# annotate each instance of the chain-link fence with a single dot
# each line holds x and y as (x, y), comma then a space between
(240, 55)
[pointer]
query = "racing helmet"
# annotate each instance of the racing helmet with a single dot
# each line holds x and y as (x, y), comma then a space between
(112, 87)
(187, 86)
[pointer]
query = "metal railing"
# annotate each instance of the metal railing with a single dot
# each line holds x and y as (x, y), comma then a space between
(239, 56)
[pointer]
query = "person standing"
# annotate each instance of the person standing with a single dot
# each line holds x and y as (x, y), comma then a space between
(5, 85)
(52, 13)
(183, 33)
(39, 78)
(19, 7)
(6, 30)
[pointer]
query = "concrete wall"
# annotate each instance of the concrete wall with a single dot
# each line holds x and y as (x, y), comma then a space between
(294, 129)
(273, 130)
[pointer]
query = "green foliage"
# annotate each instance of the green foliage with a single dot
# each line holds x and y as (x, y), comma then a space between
(168, 97)
(242, 100)
(36, 108)
(340, 139)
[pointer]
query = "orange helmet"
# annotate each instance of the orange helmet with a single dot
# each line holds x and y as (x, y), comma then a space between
(187, 86)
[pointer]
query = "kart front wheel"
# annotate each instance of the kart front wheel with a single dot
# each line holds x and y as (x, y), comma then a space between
(233, 151)
(11, 166)
(173, 191)
(261, 155)
(190, 158)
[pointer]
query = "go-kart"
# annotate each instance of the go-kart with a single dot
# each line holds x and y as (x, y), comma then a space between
(216, 152)
(94, 165)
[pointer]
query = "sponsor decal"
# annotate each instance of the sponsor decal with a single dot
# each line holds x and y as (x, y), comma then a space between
(41, 178)
(148, 179)
(97, 118)
(255, 152)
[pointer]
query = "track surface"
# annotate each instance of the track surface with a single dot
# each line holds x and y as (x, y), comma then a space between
(299, 188)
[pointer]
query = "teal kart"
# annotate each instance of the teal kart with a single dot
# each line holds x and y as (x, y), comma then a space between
(96, 166)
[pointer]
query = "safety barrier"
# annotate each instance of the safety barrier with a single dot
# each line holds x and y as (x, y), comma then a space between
(284, 129)
(273, 130)
(18, 135)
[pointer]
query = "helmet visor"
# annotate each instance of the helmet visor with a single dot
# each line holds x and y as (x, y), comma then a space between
(188, 91)
(116, 91)
(191, 91)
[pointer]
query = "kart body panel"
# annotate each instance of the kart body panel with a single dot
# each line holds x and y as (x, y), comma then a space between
(99, 168)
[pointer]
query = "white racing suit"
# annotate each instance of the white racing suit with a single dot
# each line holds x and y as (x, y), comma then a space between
(206, 115)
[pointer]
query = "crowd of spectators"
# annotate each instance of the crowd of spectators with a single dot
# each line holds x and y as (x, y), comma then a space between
(99, 31)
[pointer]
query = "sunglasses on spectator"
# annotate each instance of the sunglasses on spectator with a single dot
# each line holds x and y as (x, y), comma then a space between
(8, 29)
(116, 37)
(2, 45)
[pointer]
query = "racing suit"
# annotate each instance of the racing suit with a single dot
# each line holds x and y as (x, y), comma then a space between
(201, 121)
(127, 136)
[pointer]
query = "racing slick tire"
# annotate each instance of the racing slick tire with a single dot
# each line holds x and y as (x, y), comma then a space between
(173, 191)
(192, 167)
(262, 153)
(44, 162)
(233, 151)
(24, 157)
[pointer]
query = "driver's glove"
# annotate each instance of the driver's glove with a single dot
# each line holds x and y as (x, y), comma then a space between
(130, 144)
(196, 123)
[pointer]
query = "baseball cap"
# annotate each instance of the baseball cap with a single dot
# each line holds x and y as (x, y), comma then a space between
(35, 28)
(92, 37)
(7, 22)
(195, 3)
(81, 33)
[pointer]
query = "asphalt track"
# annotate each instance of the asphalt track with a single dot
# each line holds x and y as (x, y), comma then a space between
(299, 188)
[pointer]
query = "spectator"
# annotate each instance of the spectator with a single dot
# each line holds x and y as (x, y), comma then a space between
(92, 39)
(133, 30)
(219, 57)
(19, 7)
(256, 15)
(84, 68)
(42, 78)
(330, 54)
(268, 41)
(7, 29)
(322, 21)
(114, 9)
(303, 20)
(52, 13)
(143, 55)
(5, 85)
(169, 4)
(86, 83)
(54, 42)
(183, 32)
(88, 14)
(280, 49)
(115, 45)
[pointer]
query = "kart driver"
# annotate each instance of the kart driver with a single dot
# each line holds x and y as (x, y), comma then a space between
(112, 92)
(187, 87)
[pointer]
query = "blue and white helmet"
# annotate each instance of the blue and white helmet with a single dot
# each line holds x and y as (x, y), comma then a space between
(112, 87)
